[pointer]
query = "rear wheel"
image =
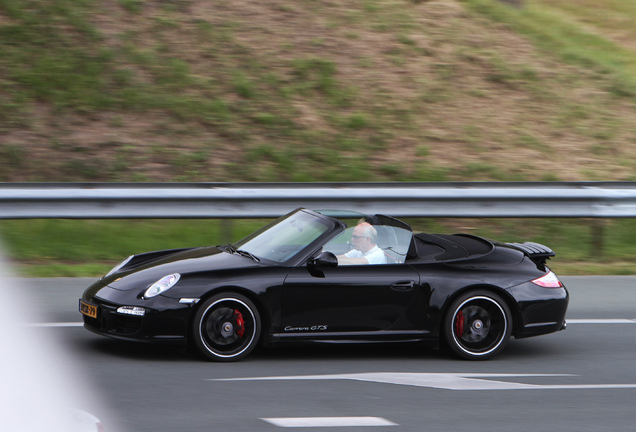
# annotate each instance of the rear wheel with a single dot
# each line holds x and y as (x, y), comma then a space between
(226, 327)
(477, 325)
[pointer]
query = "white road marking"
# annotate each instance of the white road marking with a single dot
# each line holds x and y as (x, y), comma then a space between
(446, 381)
(601, 321)
(60, 324)
(328, 421)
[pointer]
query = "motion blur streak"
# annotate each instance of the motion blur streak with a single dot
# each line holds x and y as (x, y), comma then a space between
(39, 385)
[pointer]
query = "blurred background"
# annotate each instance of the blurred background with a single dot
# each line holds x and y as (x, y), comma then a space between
(305, 91)
(44, 388)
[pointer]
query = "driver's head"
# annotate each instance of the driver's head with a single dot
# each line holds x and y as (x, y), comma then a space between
(364, 237)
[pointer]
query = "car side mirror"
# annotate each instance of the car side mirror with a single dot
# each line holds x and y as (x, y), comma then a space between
(325, 259)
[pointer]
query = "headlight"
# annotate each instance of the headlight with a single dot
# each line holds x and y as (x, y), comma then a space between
(162, 285)
(118, 266)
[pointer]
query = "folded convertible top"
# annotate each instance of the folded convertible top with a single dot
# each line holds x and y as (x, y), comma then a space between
(457, 247)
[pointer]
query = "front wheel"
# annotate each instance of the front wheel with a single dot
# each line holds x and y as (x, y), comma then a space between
(477, 325)
(226, 327)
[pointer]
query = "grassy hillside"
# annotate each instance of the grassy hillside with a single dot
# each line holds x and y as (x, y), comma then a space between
(309, 90)
(243, 90)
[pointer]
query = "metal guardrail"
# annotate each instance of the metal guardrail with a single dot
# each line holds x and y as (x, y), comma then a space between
(254, 200)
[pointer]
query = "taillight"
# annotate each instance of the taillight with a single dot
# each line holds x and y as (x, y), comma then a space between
(548, 280)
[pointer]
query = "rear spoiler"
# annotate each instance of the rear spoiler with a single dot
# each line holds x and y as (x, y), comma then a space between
(535, 251)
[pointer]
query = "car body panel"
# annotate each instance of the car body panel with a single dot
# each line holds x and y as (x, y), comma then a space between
(341, 300)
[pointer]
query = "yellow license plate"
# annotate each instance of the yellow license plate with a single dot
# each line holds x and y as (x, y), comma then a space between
(87, 309)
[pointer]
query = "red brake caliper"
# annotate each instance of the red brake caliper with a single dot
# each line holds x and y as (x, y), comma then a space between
(459, 324)
(240, 323)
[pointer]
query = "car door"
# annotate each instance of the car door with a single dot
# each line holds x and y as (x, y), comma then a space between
(355, 301)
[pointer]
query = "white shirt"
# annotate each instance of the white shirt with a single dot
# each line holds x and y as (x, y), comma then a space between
(374, 255)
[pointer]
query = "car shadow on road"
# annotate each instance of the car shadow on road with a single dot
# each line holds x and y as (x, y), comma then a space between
(151, 352)
(138, 351)
(388, 351)
(525, 350)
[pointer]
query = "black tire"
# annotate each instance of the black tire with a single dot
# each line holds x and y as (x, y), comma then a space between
(226, 327)
(477, 325)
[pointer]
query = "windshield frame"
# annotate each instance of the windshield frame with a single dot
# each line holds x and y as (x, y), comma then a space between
(250, 243)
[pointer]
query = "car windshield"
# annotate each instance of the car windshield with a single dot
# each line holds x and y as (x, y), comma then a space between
(284, 238)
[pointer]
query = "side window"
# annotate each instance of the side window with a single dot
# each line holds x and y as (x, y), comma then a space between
(394, 242)
(380, 245)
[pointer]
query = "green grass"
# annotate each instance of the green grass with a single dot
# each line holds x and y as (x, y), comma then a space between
(89, 248)
(567, 28)
(190, 76)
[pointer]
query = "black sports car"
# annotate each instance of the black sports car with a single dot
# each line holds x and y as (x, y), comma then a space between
(324, 276)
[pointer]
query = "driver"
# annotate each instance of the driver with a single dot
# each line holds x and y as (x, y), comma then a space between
(365, 250)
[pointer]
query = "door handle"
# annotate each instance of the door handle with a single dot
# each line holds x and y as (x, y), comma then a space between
(403, 285)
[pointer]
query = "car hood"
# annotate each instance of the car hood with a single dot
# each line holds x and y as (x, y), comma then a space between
(145, 269)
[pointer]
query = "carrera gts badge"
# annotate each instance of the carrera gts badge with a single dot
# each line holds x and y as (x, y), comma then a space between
(304, 329)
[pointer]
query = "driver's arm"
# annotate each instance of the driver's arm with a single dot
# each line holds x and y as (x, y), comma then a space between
(345, 260)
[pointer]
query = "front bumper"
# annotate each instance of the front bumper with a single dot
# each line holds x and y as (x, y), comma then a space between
(165, 320)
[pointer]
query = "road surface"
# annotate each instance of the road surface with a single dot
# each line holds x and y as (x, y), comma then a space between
(581, 379)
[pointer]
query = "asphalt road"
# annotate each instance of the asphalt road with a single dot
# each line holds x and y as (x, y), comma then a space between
(581, 379)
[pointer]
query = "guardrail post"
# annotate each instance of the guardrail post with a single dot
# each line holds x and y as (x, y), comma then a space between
(225, 227)
(598, 236)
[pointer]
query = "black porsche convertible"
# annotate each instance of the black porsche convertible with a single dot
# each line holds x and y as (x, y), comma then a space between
(326, 276)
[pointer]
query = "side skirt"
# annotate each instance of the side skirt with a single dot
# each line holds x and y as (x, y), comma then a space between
(348, 337)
